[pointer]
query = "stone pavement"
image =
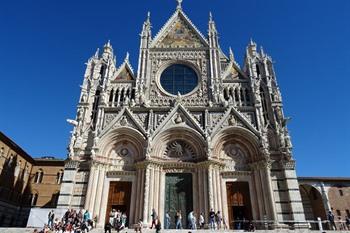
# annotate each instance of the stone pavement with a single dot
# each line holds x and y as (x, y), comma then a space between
(30, 230)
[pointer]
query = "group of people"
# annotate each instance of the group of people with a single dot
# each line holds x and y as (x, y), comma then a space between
(215, 220)
(117, 220)
(341, 226)
(72, 222)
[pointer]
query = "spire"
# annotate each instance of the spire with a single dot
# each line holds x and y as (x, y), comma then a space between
(262, 51)
(148, 17)
(97, 52)
(212, 27)
(179, 2)
(127, 57)
(232, 57)
(107, 50)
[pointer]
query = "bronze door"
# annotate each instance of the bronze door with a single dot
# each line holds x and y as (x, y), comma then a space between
(178, 196)
(239, 205)
(119, 198)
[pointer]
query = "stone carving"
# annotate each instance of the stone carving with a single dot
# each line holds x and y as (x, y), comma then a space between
(178, 119)
(123, 121)
(179, 149)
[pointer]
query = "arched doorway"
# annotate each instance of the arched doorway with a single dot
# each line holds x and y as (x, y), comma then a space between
(312, 204)
(239, 204)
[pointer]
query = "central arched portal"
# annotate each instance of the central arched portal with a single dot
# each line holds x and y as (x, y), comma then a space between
(239, 204)
(178, 196)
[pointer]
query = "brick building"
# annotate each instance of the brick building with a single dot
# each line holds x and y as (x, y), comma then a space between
(26, 182)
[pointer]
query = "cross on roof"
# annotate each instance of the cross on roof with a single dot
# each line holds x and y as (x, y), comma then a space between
(179, 4)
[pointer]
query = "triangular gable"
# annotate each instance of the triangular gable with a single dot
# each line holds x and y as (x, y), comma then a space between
(234, 118)
(179, 32)
(124, 118)
(124, 73)
(178, 116)
(233, 72)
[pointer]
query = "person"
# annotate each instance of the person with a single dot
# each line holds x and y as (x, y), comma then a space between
(347, 222)
(201, 221)
(190, 220)
(154, 217)
(218, 220)
(158, 225)
(167, 220)
(123, 220)
(178, 219)
(108, 227)
(330, 217)
(212, 219)
(138, 226)
(50, 217)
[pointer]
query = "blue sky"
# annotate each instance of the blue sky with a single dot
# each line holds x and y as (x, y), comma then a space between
(44, 45)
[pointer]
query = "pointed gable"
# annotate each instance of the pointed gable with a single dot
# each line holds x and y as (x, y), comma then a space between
(234, 118)
(125, 118)
(124, 73)
(179, 32)
(179, 116)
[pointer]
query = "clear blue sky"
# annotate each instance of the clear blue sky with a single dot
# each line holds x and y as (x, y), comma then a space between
(44, 45)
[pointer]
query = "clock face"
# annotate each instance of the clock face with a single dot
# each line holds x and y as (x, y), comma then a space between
(178, 78)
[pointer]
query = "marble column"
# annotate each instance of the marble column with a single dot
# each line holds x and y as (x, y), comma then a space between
(267, 167)
(94, 191)
(210, 187)
(151, 194)
(89, 189)
(101, 177)
(146, 195)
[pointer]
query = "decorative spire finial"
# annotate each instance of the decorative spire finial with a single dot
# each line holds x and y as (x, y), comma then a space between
(179, 2)
(231, 54)
(127, 56)
(210, 16)
(148, 16)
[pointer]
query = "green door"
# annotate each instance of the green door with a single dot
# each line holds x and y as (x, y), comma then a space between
(178, 196)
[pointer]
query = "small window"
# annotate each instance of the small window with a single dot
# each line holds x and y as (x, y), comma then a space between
(34, 199)
(341, 192)
(39, 176)
(338, 213)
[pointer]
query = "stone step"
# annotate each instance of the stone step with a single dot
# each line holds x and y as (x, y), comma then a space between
(30, 230)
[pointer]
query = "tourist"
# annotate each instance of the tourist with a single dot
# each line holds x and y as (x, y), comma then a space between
(154, 217)
(167, 220)
(123, 220)
(178, 219)
(51, 217)
(108, 227)
(212, 219)
(330, 217)
(347, 222)
(158, 225)
(201, 221)
(138, 226)
(218, 219)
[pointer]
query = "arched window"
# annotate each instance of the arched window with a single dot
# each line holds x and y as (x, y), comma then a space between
(34, 199)
(257, 70)
(39, 176)
(122, 96)
(59, 177)
(116, 96)
(111, 95)
(264, 105)
(247, 96)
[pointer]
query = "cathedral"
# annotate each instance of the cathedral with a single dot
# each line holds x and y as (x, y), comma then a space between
(189, 130)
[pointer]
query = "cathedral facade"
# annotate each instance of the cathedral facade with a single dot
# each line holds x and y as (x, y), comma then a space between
(190, 130)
